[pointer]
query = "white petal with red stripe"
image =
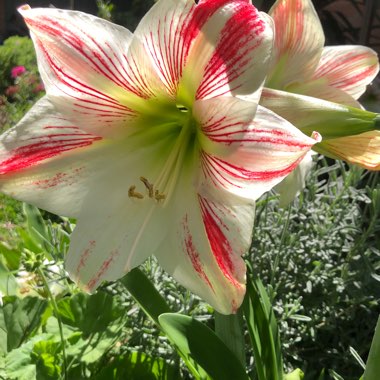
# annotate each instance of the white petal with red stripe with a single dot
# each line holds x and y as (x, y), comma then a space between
(299, 40)
(204, 246)
(113, 237)
(48, 161)
(205, 49)
(87, 76)
(348, 68)
(248, 158)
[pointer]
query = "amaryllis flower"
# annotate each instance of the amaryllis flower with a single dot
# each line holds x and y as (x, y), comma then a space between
(153, 141)
(17, 71)
(338, 74)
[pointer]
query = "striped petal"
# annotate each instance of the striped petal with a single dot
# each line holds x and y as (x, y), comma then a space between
(88, 77)
(299, 40)
(48, 161)
(348, 68)
(248, 158)
(362, 149)
(113, 237)
(204, 247)
(187, 46)
(294, 183)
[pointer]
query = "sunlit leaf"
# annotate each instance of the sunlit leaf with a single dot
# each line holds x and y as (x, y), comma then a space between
(197, 341)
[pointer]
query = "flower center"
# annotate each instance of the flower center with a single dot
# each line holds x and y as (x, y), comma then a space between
(160, 189)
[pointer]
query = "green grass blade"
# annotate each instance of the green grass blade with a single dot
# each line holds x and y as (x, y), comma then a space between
(263, 330)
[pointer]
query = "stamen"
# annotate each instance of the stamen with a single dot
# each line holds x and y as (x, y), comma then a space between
(159, 196)
(134, 194)
(148, 185)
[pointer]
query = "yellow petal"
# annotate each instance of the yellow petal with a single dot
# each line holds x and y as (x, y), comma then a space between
(362, 150)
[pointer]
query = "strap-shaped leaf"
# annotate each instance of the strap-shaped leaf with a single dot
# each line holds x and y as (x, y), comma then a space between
(145, 294)
(373, 363)
(263, 330)
(197, 341)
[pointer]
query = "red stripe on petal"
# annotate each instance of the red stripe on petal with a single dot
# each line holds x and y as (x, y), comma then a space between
(221, 168)
(47, 147)
(84, 258)
(232, 56)
(220, 245)
(193, 253)
(102, 59)
(97, 278)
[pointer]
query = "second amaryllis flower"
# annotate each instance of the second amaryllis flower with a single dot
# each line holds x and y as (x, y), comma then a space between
(153, 141)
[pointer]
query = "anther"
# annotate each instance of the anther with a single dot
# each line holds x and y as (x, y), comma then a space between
(134, 194)
(148, 185)
(158, 196)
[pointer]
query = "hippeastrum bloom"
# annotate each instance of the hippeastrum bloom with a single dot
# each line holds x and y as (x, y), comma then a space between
(340, 74)
(153, 141)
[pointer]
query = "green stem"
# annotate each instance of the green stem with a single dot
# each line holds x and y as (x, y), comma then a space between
(55, 308)
(229, 328)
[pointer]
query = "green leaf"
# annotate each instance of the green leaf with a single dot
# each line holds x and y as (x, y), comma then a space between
(136, 366)
(8, 284)
(90, 313)
(153, 305)
(46, 358)
(36, 225)
(20, 317)
(197, 341)
(19, 363)
(145, 294)
(263, 330)
(98, 319)
(11, 256)
(373, 363)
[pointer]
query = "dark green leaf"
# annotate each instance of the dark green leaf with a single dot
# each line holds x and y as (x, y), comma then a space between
(20, 317)
(197, 341)
(145, 294)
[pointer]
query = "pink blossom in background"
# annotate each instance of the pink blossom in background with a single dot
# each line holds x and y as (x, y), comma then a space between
(17, 71)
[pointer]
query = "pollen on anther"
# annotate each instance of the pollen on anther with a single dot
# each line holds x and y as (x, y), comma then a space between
(148, 185)
(132, 193)
(158, 196)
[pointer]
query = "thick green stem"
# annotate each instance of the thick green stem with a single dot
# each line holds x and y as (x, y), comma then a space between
(55, 308)
(229, 329)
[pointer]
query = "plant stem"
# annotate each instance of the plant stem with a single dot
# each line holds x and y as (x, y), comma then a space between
(55, 308)
(229, 329)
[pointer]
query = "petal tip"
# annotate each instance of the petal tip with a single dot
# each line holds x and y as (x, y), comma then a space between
(316, 136)
(24, 8)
